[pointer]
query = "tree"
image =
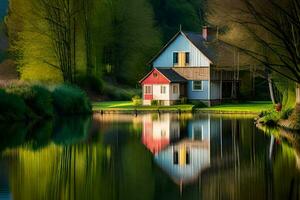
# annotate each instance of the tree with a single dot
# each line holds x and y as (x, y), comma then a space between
(267, 31)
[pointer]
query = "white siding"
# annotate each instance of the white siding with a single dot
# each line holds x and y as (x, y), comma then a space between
(157, 93)
(181, 43)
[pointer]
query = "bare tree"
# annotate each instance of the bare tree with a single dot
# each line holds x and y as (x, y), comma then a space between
(270, 34)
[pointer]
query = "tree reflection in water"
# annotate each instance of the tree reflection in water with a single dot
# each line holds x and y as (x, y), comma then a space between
(146, 157)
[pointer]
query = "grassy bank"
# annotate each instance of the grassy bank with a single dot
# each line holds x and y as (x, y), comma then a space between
(251, 107)
(128, 106)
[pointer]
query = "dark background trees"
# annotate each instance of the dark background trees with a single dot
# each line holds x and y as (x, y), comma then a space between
(68, 40)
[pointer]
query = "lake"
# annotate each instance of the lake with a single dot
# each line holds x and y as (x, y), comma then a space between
(152, 156)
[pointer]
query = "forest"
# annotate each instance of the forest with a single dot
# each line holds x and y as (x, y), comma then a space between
(105, 41)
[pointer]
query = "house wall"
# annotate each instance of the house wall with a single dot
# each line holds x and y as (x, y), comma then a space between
(198, 95)
(215, 90)
(200, 123)
(173, 96)
(156, 92)
(199, 160)
(181, 43)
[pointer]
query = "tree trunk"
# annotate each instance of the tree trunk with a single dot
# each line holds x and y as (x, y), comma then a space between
(297, 94)
(271, 89)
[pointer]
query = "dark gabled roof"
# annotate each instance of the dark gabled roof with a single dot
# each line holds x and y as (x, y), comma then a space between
(198, 41)
(170, 74)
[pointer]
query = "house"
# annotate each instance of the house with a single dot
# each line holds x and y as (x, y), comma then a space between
(192, 65)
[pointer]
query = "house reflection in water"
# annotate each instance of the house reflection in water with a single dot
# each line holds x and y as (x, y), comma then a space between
(159, 131)
(182, 150)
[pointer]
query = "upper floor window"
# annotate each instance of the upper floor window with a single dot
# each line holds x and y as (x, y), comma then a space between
(197, 86)
(163, 89)
(187, 58)
(181, 59)
(148, 89)
(175, 58)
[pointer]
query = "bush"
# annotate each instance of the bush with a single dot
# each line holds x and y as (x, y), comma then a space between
(154, 103)
(91, 82)
(285, 114)
(36, 97)
(70, 100)
(270, 118)
(12, 107)
(137, 101)
(199, 104)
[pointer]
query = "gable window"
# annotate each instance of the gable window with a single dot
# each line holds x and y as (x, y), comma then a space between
(148, 89)
(187, 58)
(175, 89)
(163, 89)
(197, 86)
(175, 58)
(181, 59)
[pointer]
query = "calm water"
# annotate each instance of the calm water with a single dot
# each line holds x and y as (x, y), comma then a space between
(146, 157)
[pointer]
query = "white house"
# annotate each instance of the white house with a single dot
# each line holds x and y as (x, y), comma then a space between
(190, 65)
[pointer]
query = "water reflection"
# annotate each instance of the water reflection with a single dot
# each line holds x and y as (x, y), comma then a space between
(146, 157)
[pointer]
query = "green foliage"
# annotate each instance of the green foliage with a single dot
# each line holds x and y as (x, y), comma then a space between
(269, 118)
(12, 107)
(119, 93)
(70, 100)
(154, 103)
(91, 83)
(285, 114)
(199, 104)
(37, 97)
(136, 100)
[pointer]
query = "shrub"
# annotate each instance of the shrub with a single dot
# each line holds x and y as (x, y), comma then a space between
(36, 97)
(70, 100)
(183, 100)
(199, 104)
(137, 101)
(270, 118)
(285, 114)
(154, 103)
(91, 82)
(12, 107)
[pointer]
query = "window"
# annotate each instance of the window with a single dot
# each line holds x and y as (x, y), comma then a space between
(197, 86)
(155, 75)
(187, 58)
(175, 157)
(148, 89)
(181, 59)
(175, 58)
(175, 89)
(198, 132)
(163, 89)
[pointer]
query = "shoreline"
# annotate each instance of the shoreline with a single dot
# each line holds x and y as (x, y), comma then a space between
(203, 111)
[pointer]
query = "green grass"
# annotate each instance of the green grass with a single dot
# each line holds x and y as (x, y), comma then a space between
(254, 107)
(128, 106)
